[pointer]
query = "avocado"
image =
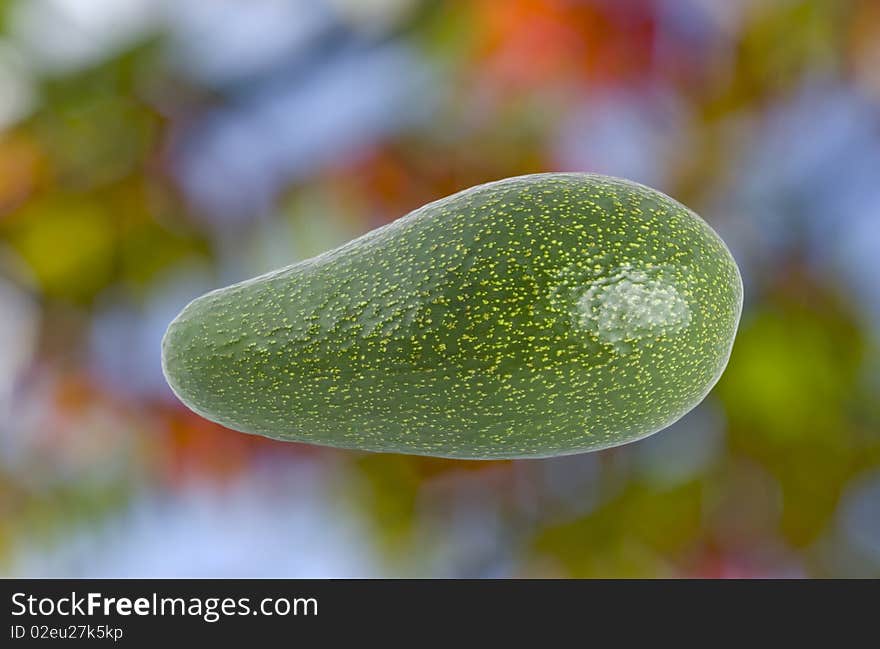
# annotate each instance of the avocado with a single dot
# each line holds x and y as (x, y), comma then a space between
(531, 317)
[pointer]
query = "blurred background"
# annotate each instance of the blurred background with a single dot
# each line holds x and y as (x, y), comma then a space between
(151, 150)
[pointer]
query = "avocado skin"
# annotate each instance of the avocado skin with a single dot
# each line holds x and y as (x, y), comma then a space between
(531, 317)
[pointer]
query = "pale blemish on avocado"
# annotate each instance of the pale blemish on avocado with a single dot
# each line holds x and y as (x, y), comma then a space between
(629, 305)
(535, 316)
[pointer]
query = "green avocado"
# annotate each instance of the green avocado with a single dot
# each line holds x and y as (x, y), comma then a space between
(531, 317)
